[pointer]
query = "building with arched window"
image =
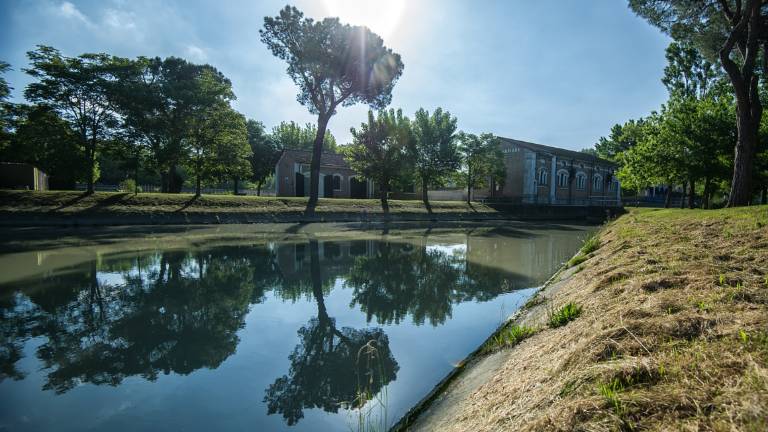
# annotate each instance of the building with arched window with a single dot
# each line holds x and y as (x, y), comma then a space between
(337, 179)
(542, 174)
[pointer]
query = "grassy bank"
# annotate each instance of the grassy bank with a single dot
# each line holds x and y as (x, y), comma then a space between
(64, 202)
(660, 324)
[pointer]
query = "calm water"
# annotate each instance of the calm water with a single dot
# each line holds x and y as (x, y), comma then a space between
(290, 333)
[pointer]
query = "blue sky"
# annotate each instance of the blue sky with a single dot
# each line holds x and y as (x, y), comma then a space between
(556, 72)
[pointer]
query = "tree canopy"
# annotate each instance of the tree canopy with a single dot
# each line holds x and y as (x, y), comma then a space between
(334, 65)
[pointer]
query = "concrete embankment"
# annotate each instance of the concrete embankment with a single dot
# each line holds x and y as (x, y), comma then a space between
(659, 324)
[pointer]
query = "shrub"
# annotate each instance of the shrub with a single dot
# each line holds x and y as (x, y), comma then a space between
(128, 185)
(566, 314)
(590, 245)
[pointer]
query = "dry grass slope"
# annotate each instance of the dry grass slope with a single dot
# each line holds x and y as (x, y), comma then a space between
(673, 334)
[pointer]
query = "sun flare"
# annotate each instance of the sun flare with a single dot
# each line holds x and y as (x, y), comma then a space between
(382, 17)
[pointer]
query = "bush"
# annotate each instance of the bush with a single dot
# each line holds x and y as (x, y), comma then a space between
(128, 185)
(566, 314)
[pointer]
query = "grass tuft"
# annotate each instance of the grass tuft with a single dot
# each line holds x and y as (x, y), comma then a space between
(564, 315)
(509, 337)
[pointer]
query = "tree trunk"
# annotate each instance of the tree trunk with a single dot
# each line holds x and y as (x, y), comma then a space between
(705, 197)
(668, 199)
(469, 185)
(91, 154)
(682, 197)
(741, 183)
(197, 180)
(692, 194)
(258, 188)
(764, 195)
(136, 177)
(425, 196)
(237, 184)
(314, 175)
(383, 192)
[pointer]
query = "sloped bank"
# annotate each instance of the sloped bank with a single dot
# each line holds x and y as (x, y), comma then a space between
(69, 209)
(671, 334)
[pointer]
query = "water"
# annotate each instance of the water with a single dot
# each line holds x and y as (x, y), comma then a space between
(320, 331)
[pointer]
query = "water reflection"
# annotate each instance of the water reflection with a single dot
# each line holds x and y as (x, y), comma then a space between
(179, 311)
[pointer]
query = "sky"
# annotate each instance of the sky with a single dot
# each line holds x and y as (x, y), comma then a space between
(554, 72)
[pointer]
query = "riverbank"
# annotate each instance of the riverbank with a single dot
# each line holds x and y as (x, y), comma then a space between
(63, 208)
(660, 323)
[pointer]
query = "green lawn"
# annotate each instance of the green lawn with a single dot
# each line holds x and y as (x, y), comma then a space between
(65, 202)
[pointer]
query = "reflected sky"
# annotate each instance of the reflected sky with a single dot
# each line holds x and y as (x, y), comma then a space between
(298, 334)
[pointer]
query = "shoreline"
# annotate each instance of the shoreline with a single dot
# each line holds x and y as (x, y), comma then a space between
(74, 209)
(673, 307)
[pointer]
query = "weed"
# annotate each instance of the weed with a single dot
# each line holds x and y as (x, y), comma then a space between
(564, 315)
(578, 259)
(590, 245)
(703, 306)
(580, 268)
(722, 280)
(509, 336)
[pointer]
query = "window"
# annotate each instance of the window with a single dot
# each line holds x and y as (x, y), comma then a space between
(542, 177)
(581, 181)
(597, 182)
(612, 186)
(562, 178)
(336, 182)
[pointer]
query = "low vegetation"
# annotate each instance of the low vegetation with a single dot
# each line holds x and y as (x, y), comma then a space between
(70, 203)
(510, 335)
(671, 334)
(564, 315)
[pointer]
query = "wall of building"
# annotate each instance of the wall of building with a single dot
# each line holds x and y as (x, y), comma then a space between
(286, 177)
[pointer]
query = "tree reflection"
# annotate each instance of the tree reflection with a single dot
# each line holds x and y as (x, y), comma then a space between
(177, 312)
(330, 368)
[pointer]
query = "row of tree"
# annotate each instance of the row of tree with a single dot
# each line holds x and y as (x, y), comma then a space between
(168, 115)
(393, 150)
(711, 133)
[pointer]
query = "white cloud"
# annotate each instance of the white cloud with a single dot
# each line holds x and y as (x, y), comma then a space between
(195, 53)
(70, 11)
(119, 19)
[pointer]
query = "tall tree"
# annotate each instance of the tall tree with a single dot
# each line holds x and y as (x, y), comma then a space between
(433, 151)
(736, 31)
(291, 135)
(80, 89)
(482, 159)
(218, 144)
(264, 153)
(334, 65)
(378, 150)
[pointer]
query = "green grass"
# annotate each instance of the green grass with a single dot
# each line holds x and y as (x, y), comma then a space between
(578, 259)
(591, 244)
(564, 315)
(124, 203)
(509, 337)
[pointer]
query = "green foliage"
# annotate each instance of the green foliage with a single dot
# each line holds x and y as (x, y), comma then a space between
(509, 336)
(80, 90)
(576, 260)
(265, 152)
(291, 135)
(482, 160)
(379, 149)
(334, 65)
(5, 89)
(564, 315)
(591, 244)
(129, 185)
(434, 151)
(45, 140)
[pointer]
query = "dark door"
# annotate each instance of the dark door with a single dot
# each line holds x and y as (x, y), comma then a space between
(328, 186)
(299, 185)
(357, 188)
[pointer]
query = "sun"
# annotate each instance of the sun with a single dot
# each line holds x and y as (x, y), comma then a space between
(381, 16)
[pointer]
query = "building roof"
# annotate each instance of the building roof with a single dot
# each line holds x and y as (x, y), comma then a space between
(327, 159)
(571, 154)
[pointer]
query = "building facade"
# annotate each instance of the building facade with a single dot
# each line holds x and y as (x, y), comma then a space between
(337, 179)
(539, 174)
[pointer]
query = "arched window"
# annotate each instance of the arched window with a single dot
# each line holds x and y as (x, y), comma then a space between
(597, 182)
(336, 182)
(542, 177)
(562, 178)
(581, 181)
